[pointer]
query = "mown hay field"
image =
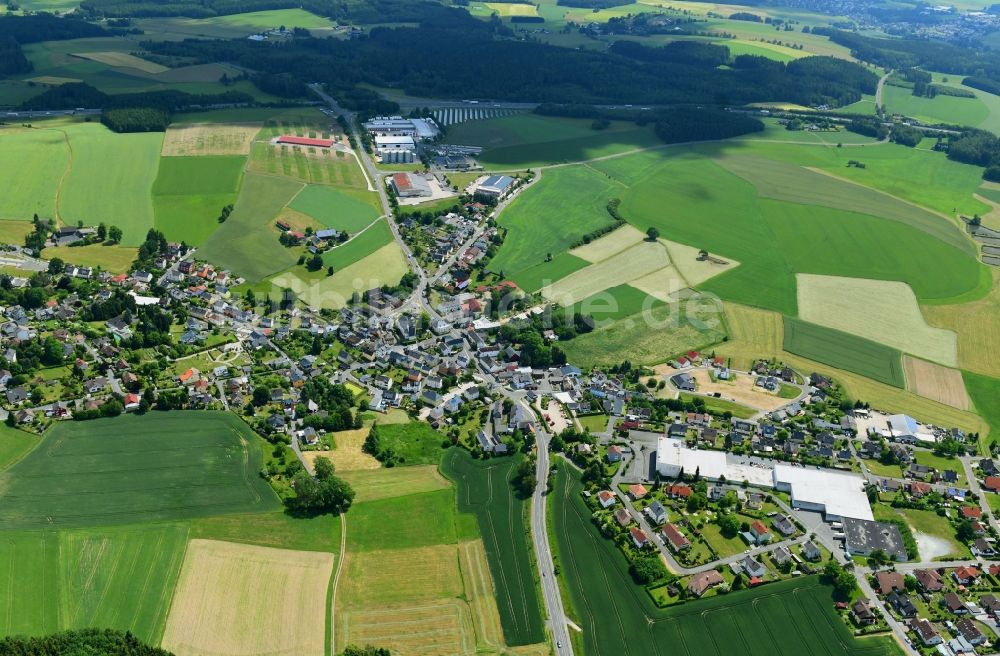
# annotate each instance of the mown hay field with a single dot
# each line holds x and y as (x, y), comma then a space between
(484, 489)
(123, 60)
(936, 382)
(136, 469)
(241, 599)
(794, 616)
(274, 528)
(190, 192)
(844, 351)
(879, 310)
(115, 259)
(610, 244)
(209, 139)
(634, 263)
(977, 324)
(374, 484)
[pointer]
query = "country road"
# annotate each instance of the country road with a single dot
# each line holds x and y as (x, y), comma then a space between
(878, 91)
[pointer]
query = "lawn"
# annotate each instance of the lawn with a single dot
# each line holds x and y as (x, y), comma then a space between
(483, 488)
(389, 523)
(131, 468)
(790, 617)
(525, 140)
(345, 210)
(14, 444)
(111, 180)
(649, 338)
(247, 244)
(594, 423)
(573, 201)
(272, 529)
(844, 351)
(190, 192)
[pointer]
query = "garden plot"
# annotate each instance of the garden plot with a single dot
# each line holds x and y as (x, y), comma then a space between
(883, 311)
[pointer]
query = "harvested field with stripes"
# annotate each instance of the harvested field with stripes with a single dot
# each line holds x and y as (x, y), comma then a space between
(935, 382)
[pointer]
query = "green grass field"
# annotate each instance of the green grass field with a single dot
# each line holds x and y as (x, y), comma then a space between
(190, 192)
(523, 140)
(844, 351)
(390, 523)
(272, 19)
(271, 529)
(14, 444)
(790, 617)
(573, 200)
(416, 443)
(360, 247)
(984, 392)
(483, 488)
(344, 210)
(940, 109)
(116, 471)
(308, 165)
(120, 578)
(668, 332)
(37, 159)
(616, 303)
(111, 180)
(721, 405)
(535, 277)
(247, 243)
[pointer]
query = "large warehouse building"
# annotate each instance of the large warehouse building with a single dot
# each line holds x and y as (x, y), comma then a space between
(397, 126)
(408, 185)
(835, 494)
(395, 150)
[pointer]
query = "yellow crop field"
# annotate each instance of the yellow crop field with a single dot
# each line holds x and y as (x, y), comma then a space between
(372, 484)
(757, 333)
(233, 599)
(978, 327)
(123, 60)
(628, 265)
(444, 605)
(610, 244)
(935, 382)
(513, 9)
(209, 139)
(880, 310)
(665, 284)
(53, 80)
(347, 456)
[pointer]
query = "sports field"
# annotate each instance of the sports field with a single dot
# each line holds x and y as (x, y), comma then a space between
(523, 140)
(190, 192)
(145, 469)
(844, 351)
(483, 488)
(342, 209)
(790, 617)
(110, 179)
(879, 310)
(242, 599)
(247, 243)
(209, 139)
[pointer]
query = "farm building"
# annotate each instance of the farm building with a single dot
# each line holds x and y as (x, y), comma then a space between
(495, 187)
(304, 141)
(396, 150)
(408, 185)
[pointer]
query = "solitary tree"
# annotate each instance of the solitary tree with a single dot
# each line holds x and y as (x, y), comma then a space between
(114, 234)
(653, 234)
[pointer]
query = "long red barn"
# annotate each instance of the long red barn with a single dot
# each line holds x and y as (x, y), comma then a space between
(305, 141)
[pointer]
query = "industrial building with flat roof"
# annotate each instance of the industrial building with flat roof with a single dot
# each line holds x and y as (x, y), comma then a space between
(835, 494)
(395, 149)
(495, 187)
(408, 185)
(863, 536)
(397, 126)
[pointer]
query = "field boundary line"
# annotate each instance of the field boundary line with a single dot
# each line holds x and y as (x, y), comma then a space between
(336, 581)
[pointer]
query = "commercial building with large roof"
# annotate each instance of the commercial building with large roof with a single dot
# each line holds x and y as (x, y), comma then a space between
(835, 494)
(409, 185)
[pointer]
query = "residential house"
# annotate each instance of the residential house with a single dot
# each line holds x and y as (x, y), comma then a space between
(966, 575)
(701, 582)
(901, 604)
(783, 525)
(781, 556)
(639, 537)
(656, 512)
(926, 632)
(954, 603)
(753, 567)
(622, 517)
(637, 491)
(888, 582)
(930, 580)
(991, 604)
(759, 532)
(970, 631)
(811, 552)
(675, 538)
(614, 453)
(981, 547)
(862, 612)
(606, 498)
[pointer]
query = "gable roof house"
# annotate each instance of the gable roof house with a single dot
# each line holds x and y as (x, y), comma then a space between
(675, 539)
(701, 582)
(929, 579)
